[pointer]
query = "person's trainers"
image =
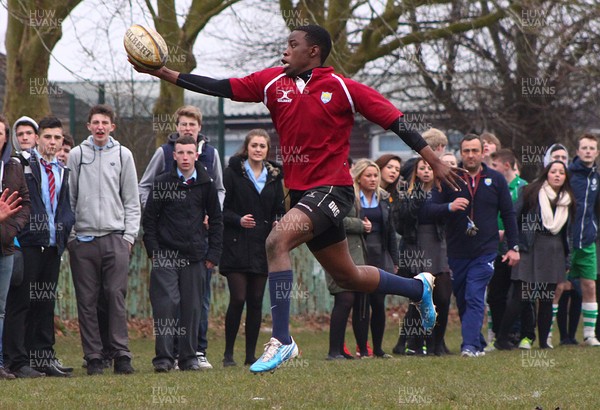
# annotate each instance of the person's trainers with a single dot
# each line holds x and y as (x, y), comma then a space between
(591, 341)
(203, 361)
(468, 353)
(426, 306)
(525, 343)
(274, 355)
(490, 347)
(122, 365)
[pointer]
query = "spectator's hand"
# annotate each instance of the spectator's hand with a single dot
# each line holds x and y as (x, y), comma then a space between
(512, 257)
(209, 264)
(9, 204)
(247, 221)
(205, 222)
(459, 204)
(367, 225)
(396, 268)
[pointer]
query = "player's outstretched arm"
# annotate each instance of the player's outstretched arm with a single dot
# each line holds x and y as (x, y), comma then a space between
(442, 171)
(196, 83)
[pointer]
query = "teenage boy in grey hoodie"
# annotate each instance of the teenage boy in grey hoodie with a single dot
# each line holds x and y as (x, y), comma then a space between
(105, 199)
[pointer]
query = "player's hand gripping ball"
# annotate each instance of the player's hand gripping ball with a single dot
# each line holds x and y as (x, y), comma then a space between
(145, 47)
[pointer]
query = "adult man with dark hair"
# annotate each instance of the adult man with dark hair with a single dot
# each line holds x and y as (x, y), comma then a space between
(472, 237)
(30, 318)
(104, 196)
(313, 110)
(181, 250)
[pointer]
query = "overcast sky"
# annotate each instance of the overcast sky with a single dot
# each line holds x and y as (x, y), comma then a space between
(91, 47)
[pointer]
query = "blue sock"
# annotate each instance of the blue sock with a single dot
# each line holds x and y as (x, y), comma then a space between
(397, 285)
(280, 290)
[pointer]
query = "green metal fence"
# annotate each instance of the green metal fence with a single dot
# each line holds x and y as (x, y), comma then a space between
(309, 295)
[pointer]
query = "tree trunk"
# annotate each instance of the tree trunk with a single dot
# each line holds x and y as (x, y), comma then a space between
(180, 41)
(34, 28)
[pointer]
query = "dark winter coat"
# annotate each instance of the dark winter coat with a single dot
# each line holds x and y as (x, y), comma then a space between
(174, 217)
(12, 178)
(530, 222)
(388, 234)
(409, 208)
(585, 183)
(244, 249)
(492, 196)
(37, 233)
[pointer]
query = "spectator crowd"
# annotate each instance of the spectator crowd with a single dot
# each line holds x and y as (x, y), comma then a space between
(517, 256)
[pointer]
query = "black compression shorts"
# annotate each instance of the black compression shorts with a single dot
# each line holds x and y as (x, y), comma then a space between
(326, 206)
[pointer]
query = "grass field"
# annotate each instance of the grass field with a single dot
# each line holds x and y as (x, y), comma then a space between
(564, 378)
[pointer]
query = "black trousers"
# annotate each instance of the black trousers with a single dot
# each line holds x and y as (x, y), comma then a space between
(498, 292)
(29, 324)
(175, 294)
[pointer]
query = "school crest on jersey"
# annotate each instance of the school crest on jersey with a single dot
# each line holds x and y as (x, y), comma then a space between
(326, 97)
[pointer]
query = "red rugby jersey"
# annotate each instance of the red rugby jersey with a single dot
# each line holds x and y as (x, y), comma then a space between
(314, 120)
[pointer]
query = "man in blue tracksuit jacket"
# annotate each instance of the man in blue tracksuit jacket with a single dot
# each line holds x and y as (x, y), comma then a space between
(584, 229)
(472, 237)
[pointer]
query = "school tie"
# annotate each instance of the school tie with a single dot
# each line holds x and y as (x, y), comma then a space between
(187, 181)
(51, 183)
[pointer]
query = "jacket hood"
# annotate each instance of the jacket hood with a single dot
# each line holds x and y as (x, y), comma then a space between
(236, 163)
(6, 151)
(551, 149)
(578, 166)
(89, 142)
(202, 139)
(23, 120)
(173, 137)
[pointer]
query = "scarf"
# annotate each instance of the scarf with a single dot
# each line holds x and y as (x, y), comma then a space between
(553, 221)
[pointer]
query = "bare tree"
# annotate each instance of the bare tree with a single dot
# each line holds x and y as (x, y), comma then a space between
(364, 31)
(532, 77)
(180, 40)
(34, 27)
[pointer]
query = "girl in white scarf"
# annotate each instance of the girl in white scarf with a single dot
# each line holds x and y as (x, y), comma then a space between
(543, 213)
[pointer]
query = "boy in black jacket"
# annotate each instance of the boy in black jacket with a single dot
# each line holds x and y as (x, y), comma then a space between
(175, 239)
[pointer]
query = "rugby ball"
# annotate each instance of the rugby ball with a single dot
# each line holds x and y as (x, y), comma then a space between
(145, 47)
